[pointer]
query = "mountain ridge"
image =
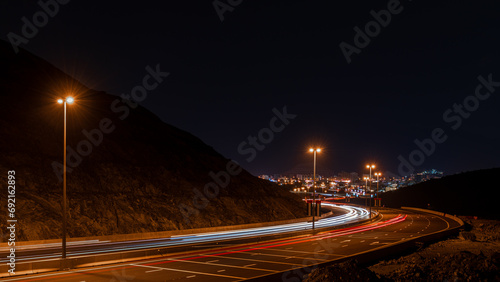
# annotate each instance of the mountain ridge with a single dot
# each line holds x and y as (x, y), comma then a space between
(467, 193)
(139, 178)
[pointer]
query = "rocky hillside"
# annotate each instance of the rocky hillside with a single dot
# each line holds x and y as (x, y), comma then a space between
(128, 171)
(469, 193)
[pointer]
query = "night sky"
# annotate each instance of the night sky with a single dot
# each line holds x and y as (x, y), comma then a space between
(226, 77)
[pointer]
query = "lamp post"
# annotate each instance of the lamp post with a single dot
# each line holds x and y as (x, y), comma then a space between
(378, 174)
(370, 167)
(68, 100)
(312, 150)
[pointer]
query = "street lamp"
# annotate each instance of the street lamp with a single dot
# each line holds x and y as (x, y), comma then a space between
(377, 174)
(378, 180)
(370, 167)
(312, 150)
(68, 100)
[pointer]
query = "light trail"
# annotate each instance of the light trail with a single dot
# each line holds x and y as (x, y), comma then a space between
(353, 214)
(228, 250)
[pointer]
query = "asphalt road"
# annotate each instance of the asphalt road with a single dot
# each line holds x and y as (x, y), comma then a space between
(283, 257)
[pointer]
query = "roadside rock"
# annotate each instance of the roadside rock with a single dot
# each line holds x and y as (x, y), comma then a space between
(345, 271)
(465, 235)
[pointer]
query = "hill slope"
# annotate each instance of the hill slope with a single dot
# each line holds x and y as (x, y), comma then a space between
(469, 193)
(144, 175)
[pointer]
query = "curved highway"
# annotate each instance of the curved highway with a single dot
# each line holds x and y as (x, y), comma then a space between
(279, 259)
(350, 214)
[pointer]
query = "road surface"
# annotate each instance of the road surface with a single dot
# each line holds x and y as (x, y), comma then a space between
(284, 257)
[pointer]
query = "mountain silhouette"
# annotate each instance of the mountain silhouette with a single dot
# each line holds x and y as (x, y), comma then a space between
(128, 171)
(469, 193)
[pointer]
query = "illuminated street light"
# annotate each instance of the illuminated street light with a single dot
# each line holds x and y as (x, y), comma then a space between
(312, 150)
(370, 167)
(68, 100)
(378, 180)
(378, 175)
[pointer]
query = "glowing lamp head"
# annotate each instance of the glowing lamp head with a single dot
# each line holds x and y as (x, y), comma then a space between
(311, 150)
(318, 150)
(60, 101)
(70, 100)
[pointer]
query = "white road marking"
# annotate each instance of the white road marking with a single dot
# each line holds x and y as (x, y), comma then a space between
(294, 251)
(257, 260)
(345, 241)
(154, 270)
(248, 265)
(216, 264)
(374, 243)
(187, 271)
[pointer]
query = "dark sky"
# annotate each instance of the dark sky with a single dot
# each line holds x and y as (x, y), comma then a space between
(227, 76)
